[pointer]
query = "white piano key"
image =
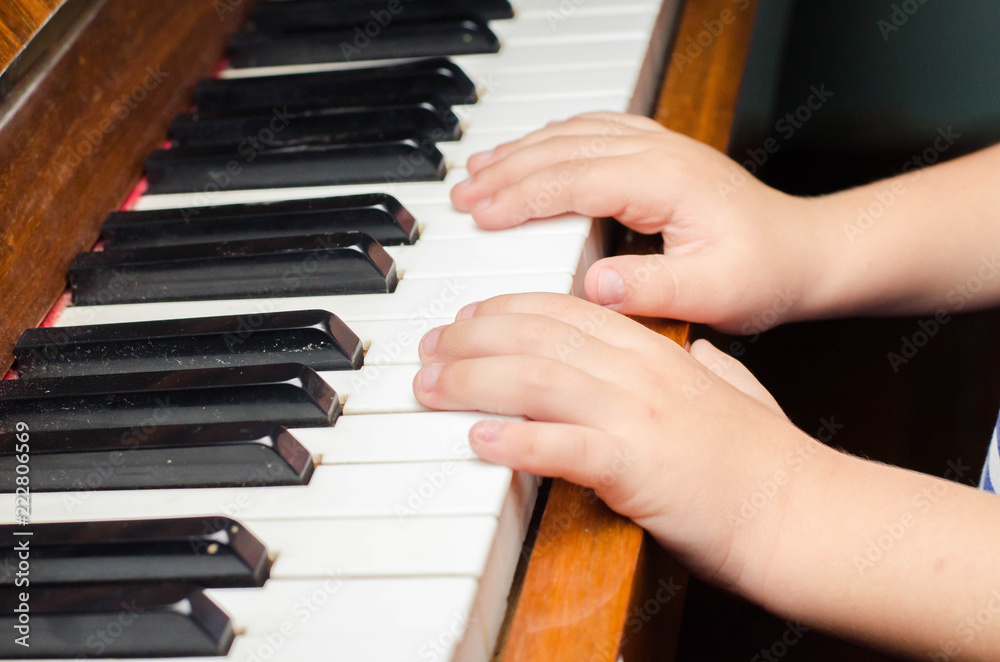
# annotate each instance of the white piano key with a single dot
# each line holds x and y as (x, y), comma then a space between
(336, 605)
(525, 58)
(612, 79)
(495, 582)
(376, 389)
(413, 437)
(445, 222)
(538, 57)
(387, 547)
(502, 253)
(294, 646)
(391, 342)
(457, 153)
(561, 8)
(408, 193)
(359, 490)
(414, 301)
(557, 28)
(504, 118)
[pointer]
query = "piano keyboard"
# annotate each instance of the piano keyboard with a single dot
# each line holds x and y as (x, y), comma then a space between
(401, 546)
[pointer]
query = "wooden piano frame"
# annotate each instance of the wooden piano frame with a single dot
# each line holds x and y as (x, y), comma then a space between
(73, 136)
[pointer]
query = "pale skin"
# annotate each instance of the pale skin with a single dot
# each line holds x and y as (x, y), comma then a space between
(687, 443)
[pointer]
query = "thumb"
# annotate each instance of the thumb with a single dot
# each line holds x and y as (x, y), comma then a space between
(734, 372)
(646, 285)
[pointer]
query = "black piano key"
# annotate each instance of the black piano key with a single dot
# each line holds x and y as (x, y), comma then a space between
(112, 621)
(435, 80)
(314, 338)
(288, 394)
(284, 128)
(205, 170)
(291, 15)
(211, 552)
(342, 263)
(464, 37)
(378, 215)
(158, 457)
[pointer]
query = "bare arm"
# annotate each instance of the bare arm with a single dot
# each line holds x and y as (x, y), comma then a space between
(921, 242)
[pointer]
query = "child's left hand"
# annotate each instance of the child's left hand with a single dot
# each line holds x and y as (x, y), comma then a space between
(661, 437)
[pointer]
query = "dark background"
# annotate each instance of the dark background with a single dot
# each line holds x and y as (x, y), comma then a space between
(891, 95)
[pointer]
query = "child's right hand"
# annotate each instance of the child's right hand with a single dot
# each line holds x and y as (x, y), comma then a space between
(738, 254)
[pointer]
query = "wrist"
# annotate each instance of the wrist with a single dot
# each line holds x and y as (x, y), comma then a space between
(821, 226)
(766, 533)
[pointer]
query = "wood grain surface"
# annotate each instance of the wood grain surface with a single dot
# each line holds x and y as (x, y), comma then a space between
(20, 20)
(75, 146)
(596, 586)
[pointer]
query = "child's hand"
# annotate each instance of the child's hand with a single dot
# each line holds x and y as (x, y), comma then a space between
(616, 407)
(738, 254)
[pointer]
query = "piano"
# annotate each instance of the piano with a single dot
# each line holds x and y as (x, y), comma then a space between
(195, 495)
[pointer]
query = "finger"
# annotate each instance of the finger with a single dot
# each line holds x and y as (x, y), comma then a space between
(605, 325)
(592, 187)
(733, 372)
(636, 122)
(527, 335)
(656, 286)
(544, 154)
(595, 127)
(540, 389)
(578, 454)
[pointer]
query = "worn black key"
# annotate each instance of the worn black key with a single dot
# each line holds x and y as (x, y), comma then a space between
(378, 215)
(342, 263)
(287, 393)
(158, 457)
(206, 170)
(283, 128)
(463, 37)
(211, 552)
(314, 338)
(105, 621)
(291, 15)
(435, 80)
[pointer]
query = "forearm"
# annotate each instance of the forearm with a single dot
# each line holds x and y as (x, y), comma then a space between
(920, 243)
(894, 558)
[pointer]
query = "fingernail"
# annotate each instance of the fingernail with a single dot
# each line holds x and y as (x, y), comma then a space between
(464, 183)
(485, 432)
(429, 377)
(610, 287)
(430, 341)
(484, 203)
(467, 311)
(483, 155)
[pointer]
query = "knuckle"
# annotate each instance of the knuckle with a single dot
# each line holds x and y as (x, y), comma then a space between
(539, 374)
